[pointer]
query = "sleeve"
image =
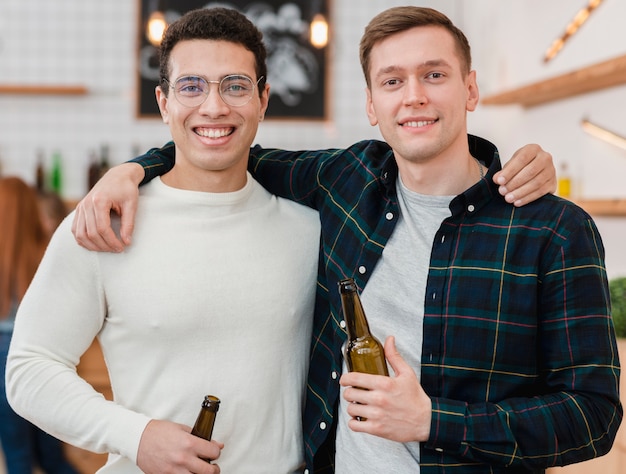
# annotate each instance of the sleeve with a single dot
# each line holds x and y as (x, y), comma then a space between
(281, 172)
(573, 411)
(294, 175)
(61, 313)
(156, 161)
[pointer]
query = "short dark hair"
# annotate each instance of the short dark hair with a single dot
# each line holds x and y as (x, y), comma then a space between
(399, 19)
(223, 24)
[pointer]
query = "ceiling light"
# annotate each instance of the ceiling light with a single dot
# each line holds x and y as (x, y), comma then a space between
(604, 134)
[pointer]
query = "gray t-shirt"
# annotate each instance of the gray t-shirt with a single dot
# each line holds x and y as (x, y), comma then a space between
(393, 300)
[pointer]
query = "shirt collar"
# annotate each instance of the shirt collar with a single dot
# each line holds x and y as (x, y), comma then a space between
(473, 198)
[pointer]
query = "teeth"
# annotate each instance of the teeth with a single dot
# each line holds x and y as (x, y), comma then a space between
(213, 132)
(421, 123)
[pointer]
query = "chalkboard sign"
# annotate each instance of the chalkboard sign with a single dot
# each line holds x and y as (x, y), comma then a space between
(296, 69)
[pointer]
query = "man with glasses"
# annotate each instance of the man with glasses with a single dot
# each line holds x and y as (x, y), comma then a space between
(215, 297)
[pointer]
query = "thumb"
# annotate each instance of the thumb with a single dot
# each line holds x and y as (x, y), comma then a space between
(128, 211)
(394, 358)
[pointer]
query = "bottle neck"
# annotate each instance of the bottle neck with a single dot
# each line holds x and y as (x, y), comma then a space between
(354, 315)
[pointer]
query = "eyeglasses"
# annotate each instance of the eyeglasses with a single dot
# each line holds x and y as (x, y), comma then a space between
(235, 90)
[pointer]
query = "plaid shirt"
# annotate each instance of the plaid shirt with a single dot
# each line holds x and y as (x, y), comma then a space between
(519, 354)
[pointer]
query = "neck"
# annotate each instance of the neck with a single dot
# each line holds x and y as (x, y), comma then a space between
(224, 181)
(441, 176)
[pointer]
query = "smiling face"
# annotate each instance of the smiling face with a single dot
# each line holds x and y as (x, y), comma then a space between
(419, 95)
(213, 139)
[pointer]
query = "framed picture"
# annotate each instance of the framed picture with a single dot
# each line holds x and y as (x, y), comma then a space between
(297, 68)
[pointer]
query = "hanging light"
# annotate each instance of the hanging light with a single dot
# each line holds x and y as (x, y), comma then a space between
(155, 27)
(581, 17)
(319, 31)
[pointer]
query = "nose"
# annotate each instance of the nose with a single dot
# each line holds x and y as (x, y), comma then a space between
(214, 105)
(415, 92)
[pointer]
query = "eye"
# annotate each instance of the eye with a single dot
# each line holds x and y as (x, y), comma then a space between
(237, 85)
(191, 85)
(391, 82)
(435, 75)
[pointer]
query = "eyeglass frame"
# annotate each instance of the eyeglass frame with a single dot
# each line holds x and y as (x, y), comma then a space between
(172, 85)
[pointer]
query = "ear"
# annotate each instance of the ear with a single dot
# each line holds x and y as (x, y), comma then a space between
(163, 102)
(472, 92)
(265, 97)
(369, 108)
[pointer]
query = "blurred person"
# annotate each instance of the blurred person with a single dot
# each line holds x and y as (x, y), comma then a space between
(53, 210)
(172, 331)
(23, 240)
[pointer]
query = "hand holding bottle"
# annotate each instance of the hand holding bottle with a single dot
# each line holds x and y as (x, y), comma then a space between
(170, 447)
(395, 408)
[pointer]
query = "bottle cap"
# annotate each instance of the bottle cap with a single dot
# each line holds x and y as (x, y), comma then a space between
(211, 402)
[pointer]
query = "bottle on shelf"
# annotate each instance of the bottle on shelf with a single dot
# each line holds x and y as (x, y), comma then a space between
(56, 173)
(362, 351)
(93, 171)
(40, 172)
(564, 182)
(105, 163)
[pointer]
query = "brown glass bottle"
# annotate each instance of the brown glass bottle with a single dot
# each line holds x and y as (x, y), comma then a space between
(203, 427)
(362, 351)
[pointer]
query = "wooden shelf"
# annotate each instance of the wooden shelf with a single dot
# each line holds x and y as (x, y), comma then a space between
(14, 89)
(591, 78)
(604, 207)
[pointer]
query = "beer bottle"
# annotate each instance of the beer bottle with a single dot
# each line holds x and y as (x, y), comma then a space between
(203, 427)
(363, 352)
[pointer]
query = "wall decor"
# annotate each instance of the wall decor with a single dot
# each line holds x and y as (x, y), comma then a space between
(297, 64)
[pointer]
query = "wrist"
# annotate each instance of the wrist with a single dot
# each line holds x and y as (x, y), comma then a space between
(134, 171)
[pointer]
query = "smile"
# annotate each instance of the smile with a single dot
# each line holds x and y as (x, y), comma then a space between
(214, 132)
(418, 124)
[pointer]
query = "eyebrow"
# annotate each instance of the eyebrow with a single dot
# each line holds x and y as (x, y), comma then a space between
(426, 64)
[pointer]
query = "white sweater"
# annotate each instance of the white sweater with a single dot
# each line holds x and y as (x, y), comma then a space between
(214, 296)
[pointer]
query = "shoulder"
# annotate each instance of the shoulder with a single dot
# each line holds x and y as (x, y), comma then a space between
(557, 219)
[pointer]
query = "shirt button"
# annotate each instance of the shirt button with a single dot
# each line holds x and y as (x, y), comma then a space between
(323, 425)
(439, 450)
(362, 269)
(333, 374)
(306, 471)
(470, 208)
(342, 324)
(389, 216)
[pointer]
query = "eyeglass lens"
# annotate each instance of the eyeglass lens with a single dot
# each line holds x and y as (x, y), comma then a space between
(236, 90)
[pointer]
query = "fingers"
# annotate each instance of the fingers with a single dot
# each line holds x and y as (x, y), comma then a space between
(529, 175)
(96, 232)
(85, 230)
(169, 447)
(129, 209)
(117, 191)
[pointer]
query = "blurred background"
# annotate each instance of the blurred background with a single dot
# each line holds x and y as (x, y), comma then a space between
(78, 67)
(76, 90)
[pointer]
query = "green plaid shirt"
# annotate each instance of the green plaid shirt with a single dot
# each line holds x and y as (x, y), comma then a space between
(519, 354)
